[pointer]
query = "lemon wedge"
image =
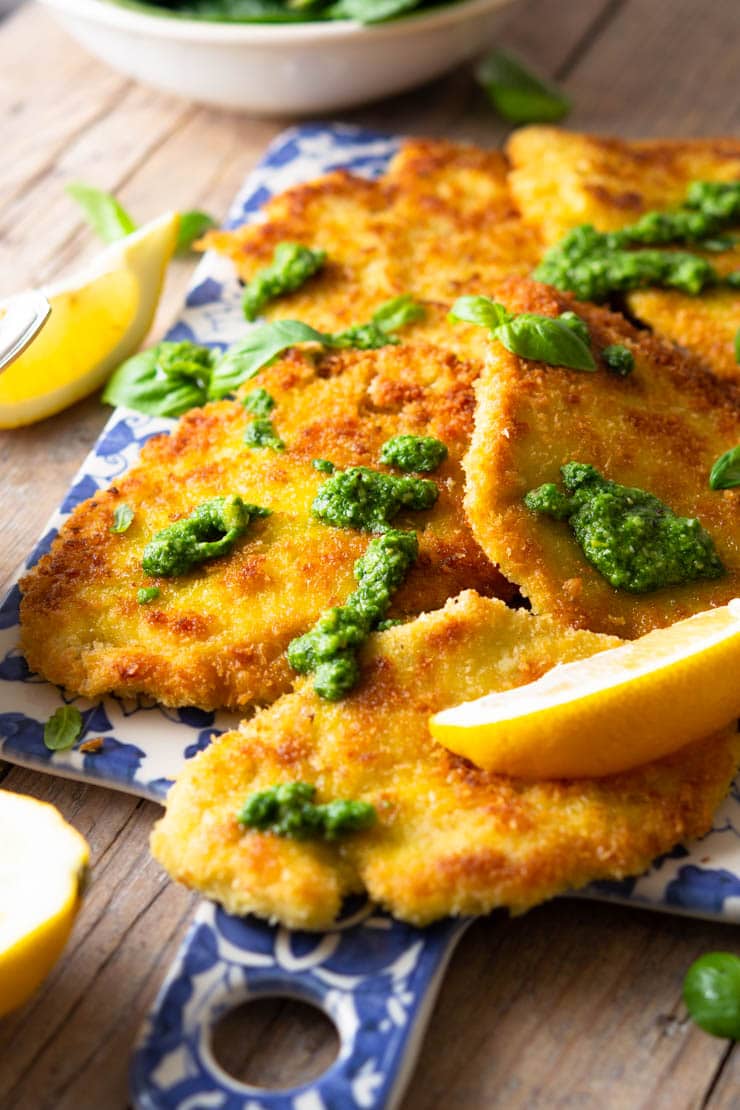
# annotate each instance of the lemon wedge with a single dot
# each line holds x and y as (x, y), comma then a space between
(98, 319)
(610, 712)
(41, 866)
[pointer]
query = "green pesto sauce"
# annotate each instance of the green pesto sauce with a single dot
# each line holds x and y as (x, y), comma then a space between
(289, 810)
(368, 500)
(259, 402)
(329, 649)
(147, 594)
(594, 264)
(323, 465)
(618, 360)
(211, 530)
(292, 265)
(630, 536)
(261, 433)
(419, 453)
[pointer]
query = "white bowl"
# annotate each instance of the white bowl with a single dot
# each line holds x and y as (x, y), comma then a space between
(280, 69)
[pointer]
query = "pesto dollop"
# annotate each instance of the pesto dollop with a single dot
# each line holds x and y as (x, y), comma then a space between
(289, 810)
(292, 265)
(594, 264)
(211, 530)
(417, 453)
(328, 650)
(367, 499)
(261, 433)
(147, 594)
(631, 537)
(618, 359)
(259, 402)
(323, 465)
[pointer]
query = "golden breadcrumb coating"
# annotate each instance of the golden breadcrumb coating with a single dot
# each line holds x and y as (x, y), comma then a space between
(561, 179)
(659, 429)
(217, 635)
(450, 838)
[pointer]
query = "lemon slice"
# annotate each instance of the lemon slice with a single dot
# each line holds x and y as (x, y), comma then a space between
(613, 711)
(42, 862)
(98, 319)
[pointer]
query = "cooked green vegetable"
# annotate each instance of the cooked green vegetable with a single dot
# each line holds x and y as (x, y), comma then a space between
(259, 402)
(632, 538)
(211, 530)
(63, 728)
(328, 650)
(292, 265)
(414, 453)
(368, 499)
(517, 94)
(711, 991)
(122, 518)
(147, 594)
(261, 433)
(558, 342)
(618, 359)
(725, 474)
(289, 810)
(106, 216)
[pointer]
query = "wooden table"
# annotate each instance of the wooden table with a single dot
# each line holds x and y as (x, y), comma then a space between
(576, 1005)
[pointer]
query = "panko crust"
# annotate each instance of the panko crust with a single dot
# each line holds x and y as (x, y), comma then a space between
(216, 637)
(560, 179)
(659, 429)
(450, 838)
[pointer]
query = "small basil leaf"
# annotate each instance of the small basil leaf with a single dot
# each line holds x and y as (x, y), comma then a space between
(545, 340)
(63, 728)
(262, 343)
(517, 94)
(192, 226)
(140, 384)
(122, 518)
(107, 217)
(480, 310)
(711, 991)
(725, 474)
(397, 312)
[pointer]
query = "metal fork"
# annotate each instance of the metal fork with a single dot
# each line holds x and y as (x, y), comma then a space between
(24, 317)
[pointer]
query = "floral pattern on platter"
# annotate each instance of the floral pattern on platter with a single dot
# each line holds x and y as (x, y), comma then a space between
(375, 977)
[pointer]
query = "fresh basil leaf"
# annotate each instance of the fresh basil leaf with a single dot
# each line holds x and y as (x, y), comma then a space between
(262, 343)
(576, 324)
(545, 340)
(372, 11)
(398, 312)
(122, 518)
(192, 226)
(63, 728)
(140, 383)
(711, 991)
(480, 310)
(517, 94)
(725, 474)
(107, 217)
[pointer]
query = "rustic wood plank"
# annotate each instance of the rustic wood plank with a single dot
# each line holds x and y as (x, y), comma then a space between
(724, 1093)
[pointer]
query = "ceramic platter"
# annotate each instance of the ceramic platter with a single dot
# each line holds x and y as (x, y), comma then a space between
(375, 977)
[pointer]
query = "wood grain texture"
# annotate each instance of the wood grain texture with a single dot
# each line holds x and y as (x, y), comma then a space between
(574, 1005)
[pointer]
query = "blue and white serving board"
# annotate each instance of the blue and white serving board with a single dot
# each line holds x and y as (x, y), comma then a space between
(374, 976)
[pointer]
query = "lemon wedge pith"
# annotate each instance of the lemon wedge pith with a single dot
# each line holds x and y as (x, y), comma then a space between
(98, 318)
(42, 865)
(611, 712)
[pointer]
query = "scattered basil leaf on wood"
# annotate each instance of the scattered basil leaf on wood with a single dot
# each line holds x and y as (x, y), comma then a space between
(725, 474)
(192, 226)
(63, 728)
(107, 216)
(122, 518)
(517, 94)
(711, 991)
(541, 338)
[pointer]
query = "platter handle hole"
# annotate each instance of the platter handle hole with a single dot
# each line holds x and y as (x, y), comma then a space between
(275, 1042)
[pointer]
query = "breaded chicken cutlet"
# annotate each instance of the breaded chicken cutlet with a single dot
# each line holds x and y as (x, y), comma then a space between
(560, 179)
(659, 429)
(449, 838)
(216, 636)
